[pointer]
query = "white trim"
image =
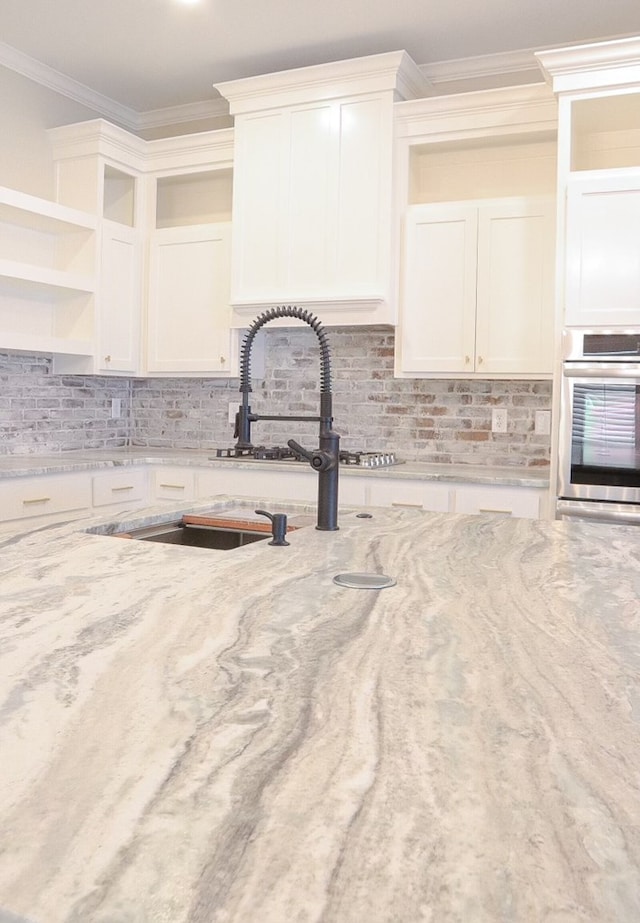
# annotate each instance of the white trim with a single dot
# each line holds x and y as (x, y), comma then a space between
(490, 65)
(60, 83)
(102, 105)
(391, 71)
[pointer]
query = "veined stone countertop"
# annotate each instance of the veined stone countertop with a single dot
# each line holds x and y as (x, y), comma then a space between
(189, 735)
(24, 465)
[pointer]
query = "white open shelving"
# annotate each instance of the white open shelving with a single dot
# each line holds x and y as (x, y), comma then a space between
(47, 275)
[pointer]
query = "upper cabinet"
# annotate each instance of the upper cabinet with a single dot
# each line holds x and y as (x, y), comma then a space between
(598, 88)
(476, 194)
(312, 198)
(164, 262)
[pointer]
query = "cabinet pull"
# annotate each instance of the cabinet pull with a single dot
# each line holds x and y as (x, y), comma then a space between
(488, 509)
(174, 486)
(36, 500)
(409, 506)
(222, 360)
(128, 487)
(480, 360)
(107, 358)
(467, 360)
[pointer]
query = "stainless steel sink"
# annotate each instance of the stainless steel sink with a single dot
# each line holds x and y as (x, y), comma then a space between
(195, 536)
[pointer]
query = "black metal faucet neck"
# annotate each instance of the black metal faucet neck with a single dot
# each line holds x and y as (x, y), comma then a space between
(325, 459)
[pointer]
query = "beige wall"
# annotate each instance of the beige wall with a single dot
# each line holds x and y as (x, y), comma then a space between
(27, 110)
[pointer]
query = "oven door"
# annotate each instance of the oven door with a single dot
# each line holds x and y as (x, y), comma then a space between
(600, 433)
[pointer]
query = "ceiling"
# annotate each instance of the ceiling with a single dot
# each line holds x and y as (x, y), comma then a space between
(155, 54)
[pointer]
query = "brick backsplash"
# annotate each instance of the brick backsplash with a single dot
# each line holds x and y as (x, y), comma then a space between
(425, 419)
(45, 413)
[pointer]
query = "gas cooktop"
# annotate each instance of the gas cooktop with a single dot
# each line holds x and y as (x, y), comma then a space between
(285, 453)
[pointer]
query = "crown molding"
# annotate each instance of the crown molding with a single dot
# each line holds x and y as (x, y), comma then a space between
(599, 65)
(104, 106)
(482, 66)
(53, 80)
(391, 71)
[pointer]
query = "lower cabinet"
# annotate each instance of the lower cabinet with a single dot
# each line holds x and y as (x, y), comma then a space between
(64, 496)
(521, 502)
(111, 488)
(49, 496)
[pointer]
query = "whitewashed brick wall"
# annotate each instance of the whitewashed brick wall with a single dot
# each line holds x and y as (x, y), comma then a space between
(440, 421)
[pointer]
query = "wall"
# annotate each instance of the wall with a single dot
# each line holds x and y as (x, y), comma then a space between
(439, 421)
(45, 413)
(28, 109)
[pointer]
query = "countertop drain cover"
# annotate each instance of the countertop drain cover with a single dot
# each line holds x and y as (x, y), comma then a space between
(364, 581)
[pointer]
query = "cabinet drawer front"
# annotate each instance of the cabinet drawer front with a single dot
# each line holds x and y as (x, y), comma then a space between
(173, 484)
(122, 487)
(410, 494)
(499, 501)
(22, 498)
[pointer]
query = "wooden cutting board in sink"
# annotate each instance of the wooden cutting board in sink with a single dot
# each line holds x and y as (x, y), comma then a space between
(242, 525)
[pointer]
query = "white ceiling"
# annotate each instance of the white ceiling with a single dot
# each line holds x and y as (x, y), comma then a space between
(154, 54)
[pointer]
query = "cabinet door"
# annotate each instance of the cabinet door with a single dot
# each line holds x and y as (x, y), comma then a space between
(120, 299)
(437, 328)
(188, 315)
(515, 303)
(312, 203)
(603, 251)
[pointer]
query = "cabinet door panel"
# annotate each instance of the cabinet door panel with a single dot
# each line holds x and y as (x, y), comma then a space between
(439, 303)
(514, 325)
(309, 231)
(521, 502)
(603, 252)
(261, 160)
(363, 201)
(120, 298)
(189, 314)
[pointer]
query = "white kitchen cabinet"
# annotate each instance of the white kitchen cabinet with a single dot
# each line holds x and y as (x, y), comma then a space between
(598, 89)
(52, 497)
(172, 482)
(47, 275)
(603, 251)
(120, 298)
(478, 289)
(188, 314)
(298, 483)
(312, 188)
(164, 212)
(400, 492)
(109, 488)
(500, 500)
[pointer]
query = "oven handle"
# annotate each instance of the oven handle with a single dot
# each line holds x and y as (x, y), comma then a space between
(578, 370)
(598, 514)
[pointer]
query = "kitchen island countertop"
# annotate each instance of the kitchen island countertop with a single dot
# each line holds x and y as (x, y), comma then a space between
(190, 735)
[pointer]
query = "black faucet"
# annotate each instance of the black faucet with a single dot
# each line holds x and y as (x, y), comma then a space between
(324, 459)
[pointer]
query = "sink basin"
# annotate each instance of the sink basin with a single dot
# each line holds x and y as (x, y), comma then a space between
(179, 533)
(203, 532)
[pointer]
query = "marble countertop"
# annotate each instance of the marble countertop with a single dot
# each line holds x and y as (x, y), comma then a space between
(190, 735)
(96, 459)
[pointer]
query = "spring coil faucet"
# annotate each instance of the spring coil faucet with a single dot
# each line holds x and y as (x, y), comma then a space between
(324, 459)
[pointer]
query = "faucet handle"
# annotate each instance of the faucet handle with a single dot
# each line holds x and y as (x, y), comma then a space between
(319, 460)
(278, 526)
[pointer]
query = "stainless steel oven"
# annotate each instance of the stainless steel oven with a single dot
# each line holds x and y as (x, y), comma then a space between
(599, 463)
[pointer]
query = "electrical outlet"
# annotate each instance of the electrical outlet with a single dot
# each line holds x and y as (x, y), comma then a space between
(543, 422)
(233, 409)
(116, 408)
(499, 420)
